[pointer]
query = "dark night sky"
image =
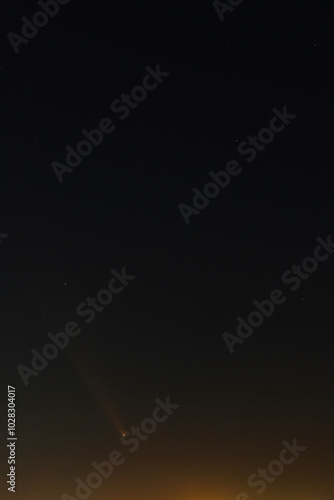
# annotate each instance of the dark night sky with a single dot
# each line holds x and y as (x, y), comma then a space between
(119, 208)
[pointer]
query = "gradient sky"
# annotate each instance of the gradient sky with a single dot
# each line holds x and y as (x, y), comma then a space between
(162, 336)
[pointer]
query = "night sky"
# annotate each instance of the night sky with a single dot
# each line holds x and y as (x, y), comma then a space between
(183, 91)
